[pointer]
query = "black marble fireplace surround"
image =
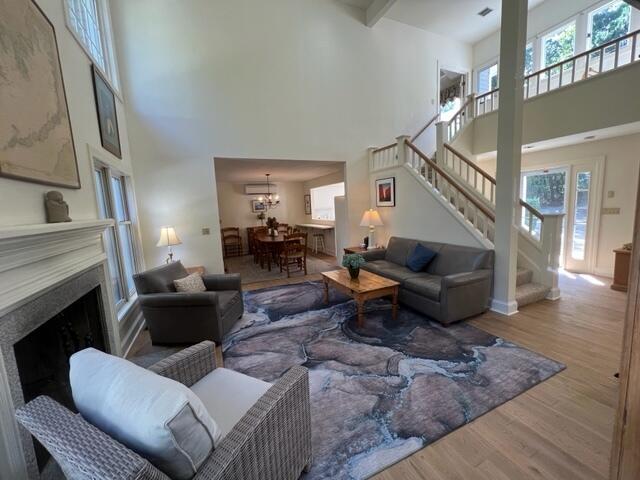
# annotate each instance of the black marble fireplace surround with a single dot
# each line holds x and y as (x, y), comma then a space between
(38, 337)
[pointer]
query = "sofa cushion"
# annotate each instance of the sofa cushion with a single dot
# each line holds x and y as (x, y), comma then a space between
(398, 249)
(388, 269)
(425, 284)
(458, 259)
(420, 258)
(228, 395)
(231, 308)
(190, 284)
(159, 279)
(159, 418)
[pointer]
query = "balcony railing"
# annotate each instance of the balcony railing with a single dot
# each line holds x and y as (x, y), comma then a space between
(609, 56)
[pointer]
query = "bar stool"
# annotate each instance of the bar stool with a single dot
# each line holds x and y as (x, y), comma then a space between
(318, 242)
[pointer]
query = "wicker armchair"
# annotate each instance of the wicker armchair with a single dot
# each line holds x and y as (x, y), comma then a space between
(272, 441)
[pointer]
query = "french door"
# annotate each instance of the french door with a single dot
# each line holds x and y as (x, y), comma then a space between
(572, 190)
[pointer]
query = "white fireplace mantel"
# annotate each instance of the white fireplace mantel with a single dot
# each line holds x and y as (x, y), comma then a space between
(36, 257)
(34, 260)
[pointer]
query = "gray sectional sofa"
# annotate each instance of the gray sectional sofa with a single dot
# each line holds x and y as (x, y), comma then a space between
(455, 285)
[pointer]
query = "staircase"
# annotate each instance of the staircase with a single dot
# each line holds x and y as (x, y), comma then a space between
(528, 291)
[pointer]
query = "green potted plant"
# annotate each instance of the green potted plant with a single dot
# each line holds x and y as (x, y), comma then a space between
(261, 217)
(353, 262)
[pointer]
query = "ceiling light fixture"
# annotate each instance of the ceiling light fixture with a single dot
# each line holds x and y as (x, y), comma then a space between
(270, 201)
(485, 12)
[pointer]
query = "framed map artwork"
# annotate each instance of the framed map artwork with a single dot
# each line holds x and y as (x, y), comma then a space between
(36, 143)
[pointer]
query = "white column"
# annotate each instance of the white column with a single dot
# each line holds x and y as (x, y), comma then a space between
(441, 139)
(512, 44)
(551, 246)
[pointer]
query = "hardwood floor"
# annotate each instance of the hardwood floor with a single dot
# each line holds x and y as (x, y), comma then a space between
(562, 428)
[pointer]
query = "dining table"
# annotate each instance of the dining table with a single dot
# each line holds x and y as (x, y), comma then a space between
(273, 245)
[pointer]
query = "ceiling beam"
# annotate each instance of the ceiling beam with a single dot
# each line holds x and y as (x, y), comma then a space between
(377, 10)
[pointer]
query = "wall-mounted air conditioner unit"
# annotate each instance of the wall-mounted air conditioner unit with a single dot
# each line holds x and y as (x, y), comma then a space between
(259, 189)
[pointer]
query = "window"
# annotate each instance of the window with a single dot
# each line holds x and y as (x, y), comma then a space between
(559, 44)
(488, 78)
(608, 22)
(322, 201)
(528, 59)
(89, 23)
(114, 202)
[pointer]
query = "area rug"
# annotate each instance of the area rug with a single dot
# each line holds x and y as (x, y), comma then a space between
(383, 391)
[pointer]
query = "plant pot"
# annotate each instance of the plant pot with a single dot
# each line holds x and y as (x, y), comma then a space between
(354, 272)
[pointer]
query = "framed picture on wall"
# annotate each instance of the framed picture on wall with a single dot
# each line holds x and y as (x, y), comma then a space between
(307, 204)
(386, 192)
(257, 206)
(107, 118)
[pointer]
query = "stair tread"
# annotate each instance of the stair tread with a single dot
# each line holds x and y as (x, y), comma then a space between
(523, 276)
(530, 292)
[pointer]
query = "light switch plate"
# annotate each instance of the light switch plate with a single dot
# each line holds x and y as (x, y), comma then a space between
(611, 194)
(611, 211)
(206, 231)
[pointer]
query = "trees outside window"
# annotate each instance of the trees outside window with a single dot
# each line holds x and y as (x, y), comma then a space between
(609, 22)
(559, 44)
(528, 59)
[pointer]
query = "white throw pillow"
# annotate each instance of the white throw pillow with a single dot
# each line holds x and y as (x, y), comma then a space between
(159, 418)
(190, 284)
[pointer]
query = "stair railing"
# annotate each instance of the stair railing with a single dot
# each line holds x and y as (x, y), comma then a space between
(606, 57)
(465, 204)
(383, 157)
(461, 117)
(484, 184)
(423, 129)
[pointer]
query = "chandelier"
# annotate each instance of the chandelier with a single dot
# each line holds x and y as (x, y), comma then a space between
(270, 201)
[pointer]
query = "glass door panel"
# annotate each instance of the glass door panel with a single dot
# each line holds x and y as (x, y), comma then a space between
(580, 215)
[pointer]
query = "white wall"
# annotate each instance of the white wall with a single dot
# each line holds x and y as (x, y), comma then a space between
(299, 79)
(235, 206)
(417, 214)
(21, 202)
(622, 168)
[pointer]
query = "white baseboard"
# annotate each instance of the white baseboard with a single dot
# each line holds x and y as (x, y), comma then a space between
(554, 294)
(504, 308)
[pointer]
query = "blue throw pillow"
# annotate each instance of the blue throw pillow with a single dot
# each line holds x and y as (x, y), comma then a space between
(420, 258)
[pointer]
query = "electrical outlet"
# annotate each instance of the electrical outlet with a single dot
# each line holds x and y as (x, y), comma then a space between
(611, 211)
(206, 231)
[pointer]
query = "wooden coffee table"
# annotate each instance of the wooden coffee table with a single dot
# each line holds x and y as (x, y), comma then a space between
(367, 287)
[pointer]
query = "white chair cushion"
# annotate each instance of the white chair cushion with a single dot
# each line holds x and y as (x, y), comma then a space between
(228, 395)
(157, 417)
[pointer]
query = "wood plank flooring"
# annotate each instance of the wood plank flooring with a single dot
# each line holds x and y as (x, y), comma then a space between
(562, 428)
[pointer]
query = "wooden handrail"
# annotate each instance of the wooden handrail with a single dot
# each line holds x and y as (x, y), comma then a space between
(569, 60)
(531, 209)
(470, 163)
(435, 117)
(386, 147)
(464, 105)
(489, 214)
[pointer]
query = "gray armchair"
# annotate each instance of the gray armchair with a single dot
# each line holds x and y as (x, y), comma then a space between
(272, 441)
(180, 318)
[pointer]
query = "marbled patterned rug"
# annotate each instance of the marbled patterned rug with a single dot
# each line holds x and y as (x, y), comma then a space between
(381, 392)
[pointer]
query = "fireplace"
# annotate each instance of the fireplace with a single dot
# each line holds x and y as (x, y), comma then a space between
(42, 357)
(55, 298)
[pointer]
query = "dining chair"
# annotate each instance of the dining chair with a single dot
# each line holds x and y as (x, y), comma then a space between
(231, 241)
(294, 252)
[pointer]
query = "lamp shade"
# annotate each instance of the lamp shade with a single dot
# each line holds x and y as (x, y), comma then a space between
(371, 218)
(168, 237)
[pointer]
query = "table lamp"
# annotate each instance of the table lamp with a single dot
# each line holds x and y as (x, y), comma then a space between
(168, 238)
(371, 219)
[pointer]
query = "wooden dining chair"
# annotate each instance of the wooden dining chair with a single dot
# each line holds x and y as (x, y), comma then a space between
(294, 252)
(257, 247)
(231, 241)
(283, 228)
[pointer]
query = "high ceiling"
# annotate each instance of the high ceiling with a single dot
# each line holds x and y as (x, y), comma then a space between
(457, 19)
(241, 170)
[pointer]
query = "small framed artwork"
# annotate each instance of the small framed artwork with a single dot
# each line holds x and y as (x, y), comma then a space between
(307, 204)
(386, 192)
(257, 206)
(107, 118)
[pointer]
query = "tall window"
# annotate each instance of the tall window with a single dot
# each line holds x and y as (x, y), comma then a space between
(559, 44)
(488, 78)
(608, 22)
(113, 202)
(528, 59)
(89, 23)
(322, 201)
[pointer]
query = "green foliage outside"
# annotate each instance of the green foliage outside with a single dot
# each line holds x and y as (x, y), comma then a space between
(610, 22)
(528, 60)
(546, 192)
(560, 46)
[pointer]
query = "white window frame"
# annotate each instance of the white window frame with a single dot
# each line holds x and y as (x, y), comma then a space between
(476, 74)
(107, 171)
(110, 73)
(334, 212)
